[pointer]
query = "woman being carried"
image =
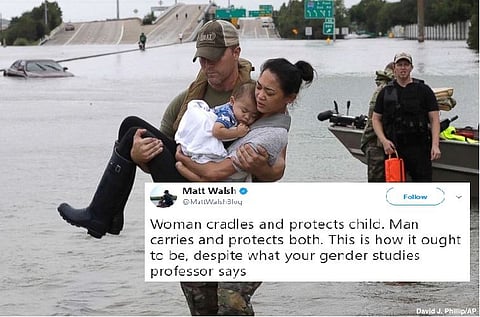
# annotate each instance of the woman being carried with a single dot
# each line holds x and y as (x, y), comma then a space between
(277, 86)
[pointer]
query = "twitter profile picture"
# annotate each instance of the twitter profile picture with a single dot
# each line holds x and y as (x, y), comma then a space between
(162, 198)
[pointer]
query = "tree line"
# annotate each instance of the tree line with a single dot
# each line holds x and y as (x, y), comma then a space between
(30, 27)
(377, 17)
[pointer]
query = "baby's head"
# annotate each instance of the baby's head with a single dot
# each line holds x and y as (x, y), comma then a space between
(244, 103)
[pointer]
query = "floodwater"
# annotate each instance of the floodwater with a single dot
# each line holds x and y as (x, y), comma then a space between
(56, 136)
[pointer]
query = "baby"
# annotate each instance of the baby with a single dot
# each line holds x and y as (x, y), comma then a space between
(202, 130)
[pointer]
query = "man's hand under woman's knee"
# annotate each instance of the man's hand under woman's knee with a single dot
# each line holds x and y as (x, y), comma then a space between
(144, 149)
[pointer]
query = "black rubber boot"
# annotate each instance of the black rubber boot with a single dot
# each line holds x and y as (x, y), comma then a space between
(109, 199)
(117, 222)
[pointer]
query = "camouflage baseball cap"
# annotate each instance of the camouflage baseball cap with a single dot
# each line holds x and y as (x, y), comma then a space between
(385, 75)
(401, 56)
(213, 38)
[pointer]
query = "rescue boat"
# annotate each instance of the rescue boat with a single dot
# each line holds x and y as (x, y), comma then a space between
(459, 160)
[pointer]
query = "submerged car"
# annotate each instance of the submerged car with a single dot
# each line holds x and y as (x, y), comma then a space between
(37, 68)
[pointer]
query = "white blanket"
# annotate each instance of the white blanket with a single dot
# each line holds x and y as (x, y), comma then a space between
(194, 133)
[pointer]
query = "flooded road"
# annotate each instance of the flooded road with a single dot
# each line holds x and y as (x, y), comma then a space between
(56, 137)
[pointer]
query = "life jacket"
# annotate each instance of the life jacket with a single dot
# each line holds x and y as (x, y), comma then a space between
(407, 118)
(468, 132)
(450, 134)
(199, 86)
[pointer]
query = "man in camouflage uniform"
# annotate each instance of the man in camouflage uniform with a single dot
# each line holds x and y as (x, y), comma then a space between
(218, 50)
(369, 143)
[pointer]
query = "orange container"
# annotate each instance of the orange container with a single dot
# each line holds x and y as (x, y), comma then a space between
(394, 169)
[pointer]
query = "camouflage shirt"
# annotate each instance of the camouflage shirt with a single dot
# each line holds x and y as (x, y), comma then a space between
(369, 136)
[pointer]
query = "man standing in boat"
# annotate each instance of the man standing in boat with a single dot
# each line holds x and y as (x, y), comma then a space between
(406, 119)
(369, 143)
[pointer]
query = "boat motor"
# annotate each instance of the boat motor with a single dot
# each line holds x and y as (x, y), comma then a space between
(445, 123)
(337, 119)
(325, 115)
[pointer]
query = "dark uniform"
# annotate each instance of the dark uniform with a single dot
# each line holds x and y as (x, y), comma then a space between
(167, 199)
(143, 40)
(405, 122)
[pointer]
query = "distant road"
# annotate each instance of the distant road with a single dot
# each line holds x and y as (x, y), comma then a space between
(181, 18)
(257, 28)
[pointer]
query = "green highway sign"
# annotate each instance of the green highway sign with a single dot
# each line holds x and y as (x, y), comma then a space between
(230, 13)
(318, 9)
(266, 10)
(328, 28)
(254, 13)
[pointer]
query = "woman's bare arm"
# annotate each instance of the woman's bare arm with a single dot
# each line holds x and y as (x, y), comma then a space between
(255, 162)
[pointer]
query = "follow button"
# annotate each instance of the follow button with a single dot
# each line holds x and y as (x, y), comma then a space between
(415, 195)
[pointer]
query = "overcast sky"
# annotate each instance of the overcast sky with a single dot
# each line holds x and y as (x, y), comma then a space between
(89, 10)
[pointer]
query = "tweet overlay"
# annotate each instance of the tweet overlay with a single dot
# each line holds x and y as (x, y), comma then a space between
(290, 232)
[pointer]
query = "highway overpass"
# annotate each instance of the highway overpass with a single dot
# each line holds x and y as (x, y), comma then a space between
(180, 18)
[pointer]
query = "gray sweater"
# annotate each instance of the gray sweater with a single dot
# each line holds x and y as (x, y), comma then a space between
(271, 133)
